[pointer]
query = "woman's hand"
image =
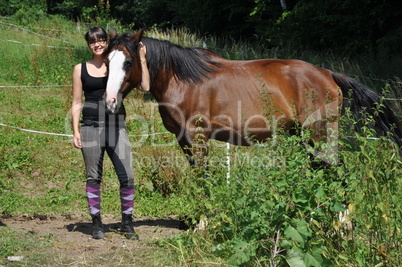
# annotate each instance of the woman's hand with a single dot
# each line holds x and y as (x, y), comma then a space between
(77, 140)
(145, 81)
(143, 52)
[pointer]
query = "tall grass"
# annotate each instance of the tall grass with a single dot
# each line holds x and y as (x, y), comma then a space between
(275, 210)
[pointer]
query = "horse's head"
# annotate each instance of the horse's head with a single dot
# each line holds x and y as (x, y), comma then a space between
(124, 68)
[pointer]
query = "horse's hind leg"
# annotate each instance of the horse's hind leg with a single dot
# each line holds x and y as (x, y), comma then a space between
(328, 146)
(322, 128)
(322, 140)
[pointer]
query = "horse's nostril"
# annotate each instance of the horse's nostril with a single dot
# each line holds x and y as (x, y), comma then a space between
(113, 100)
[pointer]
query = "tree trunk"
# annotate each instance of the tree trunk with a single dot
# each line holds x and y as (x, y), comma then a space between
(284, 5)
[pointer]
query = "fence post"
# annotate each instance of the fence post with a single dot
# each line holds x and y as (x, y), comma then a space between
(228, 162)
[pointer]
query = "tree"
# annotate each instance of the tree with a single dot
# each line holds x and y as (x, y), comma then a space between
(10, 7)
(348, 26)
(357, 26)
(214, 17)
(141, 13)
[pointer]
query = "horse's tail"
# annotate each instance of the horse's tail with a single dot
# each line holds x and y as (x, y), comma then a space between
(360, 98)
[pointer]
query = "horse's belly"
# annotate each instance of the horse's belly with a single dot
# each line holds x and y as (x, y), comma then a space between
(236, 138)
(255, 129)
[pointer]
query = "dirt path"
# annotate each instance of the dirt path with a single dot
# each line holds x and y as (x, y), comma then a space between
(72, 237)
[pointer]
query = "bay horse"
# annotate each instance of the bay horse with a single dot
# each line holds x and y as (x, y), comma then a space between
(203, 96)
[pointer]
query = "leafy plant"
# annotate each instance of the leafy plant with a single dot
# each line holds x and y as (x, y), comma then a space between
(280, 210)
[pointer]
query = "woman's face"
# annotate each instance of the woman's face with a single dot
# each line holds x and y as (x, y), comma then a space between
(98, 46)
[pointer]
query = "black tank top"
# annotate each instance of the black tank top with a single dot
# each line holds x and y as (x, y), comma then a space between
(94, 105)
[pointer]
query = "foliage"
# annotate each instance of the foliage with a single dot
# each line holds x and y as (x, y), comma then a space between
(349, 26)
(275, 209)
(142, 13)
(86, 10)
(211, 17)
(346, 27)
(10, 7)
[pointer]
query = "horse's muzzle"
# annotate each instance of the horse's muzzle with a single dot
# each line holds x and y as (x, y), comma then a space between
(112, 106)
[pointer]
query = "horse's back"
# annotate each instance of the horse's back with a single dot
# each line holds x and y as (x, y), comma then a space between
(282, 82)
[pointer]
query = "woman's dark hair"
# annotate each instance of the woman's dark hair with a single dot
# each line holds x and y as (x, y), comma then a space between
(94, 34)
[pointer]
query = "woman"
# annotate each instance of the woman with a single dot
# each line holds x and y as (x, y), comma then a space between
(100, 132)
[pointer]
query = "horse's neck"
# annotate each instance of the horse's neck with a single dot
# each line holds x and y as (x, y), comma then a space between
(161, 85)
(158, 93)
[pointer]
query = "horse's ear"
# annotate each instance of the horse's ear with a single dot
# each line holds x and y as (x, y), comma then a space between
(112, 32)
(137, 36)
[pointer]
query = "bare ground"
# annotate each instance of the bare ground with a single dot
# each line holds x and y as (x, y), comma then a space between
(73, 245)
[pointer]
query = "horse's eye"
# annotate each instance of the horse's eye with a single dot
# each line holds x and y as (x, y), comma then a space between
(128, 63)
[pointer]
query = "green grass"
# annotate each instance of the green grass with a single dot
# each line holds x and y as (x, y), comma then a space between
(275, 209)
(17, 243)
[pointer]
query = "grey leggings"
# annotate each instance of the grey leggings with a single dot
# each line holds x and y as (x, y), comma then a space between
(114, 140)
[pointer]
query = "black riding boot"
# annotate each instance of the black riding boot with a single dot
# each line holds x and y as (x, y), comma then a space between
(127, 227)
(97, 227)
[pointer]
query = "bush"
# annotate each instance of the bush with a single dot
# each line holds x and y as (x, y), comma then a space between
(278, 210)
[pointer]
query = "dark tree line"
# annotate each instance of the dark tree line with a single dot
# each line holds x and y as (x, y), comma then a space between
(347, 26)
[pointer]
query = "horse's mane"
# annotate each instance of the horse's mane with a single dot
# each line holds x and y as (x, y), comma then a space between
(187, 64)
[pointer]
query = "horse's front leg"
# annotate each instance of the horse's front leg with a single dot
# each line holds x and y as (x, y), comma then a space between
(187, 149)
(196, 149)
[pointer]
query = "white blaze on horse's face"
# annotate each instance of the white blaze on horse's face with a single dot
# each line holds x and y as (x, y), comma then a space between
(115, 80)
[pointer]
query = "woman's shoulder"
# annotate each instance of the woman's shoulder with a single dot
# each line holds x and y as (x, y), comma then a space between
(78, 67)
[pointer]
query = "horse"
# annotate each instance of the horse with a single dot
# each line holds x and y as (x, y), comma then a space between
(203, 96)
